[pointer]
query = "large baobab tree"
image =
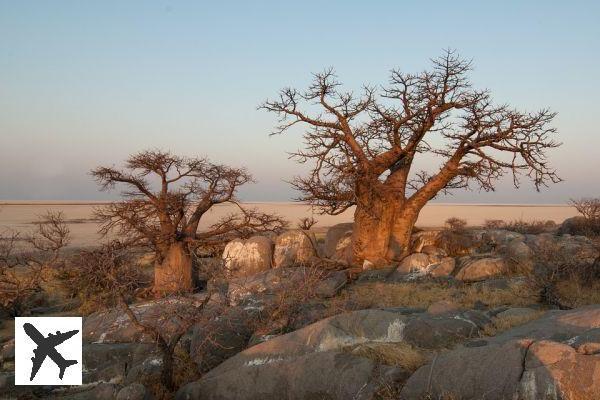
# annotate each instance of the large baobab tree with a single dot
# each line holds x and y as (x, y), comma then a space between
(165, 199)
(364, 147)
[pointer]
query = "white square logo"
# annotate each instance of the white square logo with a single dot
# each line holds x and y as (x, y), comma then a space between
(48, 351)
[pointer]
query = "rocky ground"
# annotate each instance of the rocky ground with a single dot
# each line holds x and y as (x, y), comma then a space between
(460, 318)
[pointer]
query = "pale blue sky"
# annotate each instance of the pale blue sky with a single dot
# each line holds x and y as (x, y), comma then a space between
(87, 83)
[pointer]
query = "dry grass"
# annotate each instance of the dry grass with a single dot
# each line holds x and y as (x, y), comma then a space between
(501, 324)
(398, 354)
(576, 293)
(423, 294)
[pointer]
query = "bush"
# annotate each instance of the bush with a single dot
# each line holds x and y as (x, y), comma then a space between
(553, 266)
(529, 227)
(494, 224)
(456, 224)
(589, 207)
(97, 277)
(588, 224)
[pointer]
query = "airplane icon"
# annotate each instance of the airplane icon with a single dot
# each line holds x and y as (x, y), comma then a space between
(46, 347)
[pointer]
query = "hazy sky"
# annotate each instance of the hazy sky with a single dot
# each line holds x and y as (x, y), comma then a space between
(86, 83)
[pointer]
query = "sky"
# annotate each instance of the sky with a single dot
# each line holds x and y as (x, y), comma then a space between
(84, 84)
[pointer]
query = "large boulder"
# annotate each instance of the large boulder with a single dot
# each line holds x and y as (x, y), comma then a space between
(557, 371)
(111, 362)
(519, 254)
(444, 267)
(135, 391)
(248, 257)
(115, 326)
(573, 226)
(294, 247)
(478, 269)
(358, 327)
(490, 372)
(577, 249)
(325, 375)
(338, 242)
(313, 363)
(553, 357)
(417, 262)
(215, 340)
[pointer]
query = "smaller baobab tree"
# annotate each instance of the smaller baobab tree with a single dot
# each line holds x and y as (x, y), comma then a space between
(165, 199)
(364, 148)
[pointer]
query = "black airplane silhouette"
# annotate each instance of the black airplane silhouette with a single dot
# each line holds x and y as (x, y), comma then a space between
(46, 347)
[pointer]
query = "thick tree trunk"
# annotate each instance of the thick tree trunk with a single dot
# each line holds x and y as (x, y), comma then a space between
(382, 229)
(174, 273)
(400, 241)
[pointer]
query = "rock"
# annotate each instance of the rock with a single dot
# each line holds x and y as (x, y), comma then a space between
(490, 372)
(336, 234)
(519, 254)
(573, 226)
(434, 251)
(294, 247)
(443, 268)
(441, 331)
(332, 333)
(587, 343)
(114, 326)
(110, 362)
(7, 351)
(147, 372)
(417, 262)
(331, 284)
(101, 391)
(248, 257)
(218, 339)
(7, 383)
(373, 325)
(555, 325)
(556, 371)
(443, 307)
(323, 375)
(422, 239)
(343, 250)
(481, 269)
(540, 359)
(499, 237)
(135, 391)
(517, 312)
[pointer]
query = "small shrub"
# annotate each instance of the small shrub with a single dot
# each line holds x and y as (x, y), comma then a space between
(494, 224)
(589, 207)
(553, 266)
(529, 227)
(456, 224)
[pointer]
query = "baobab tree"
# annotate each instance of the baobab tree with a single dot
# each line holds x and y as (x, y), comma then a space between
(165, 199)
(363, 148)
